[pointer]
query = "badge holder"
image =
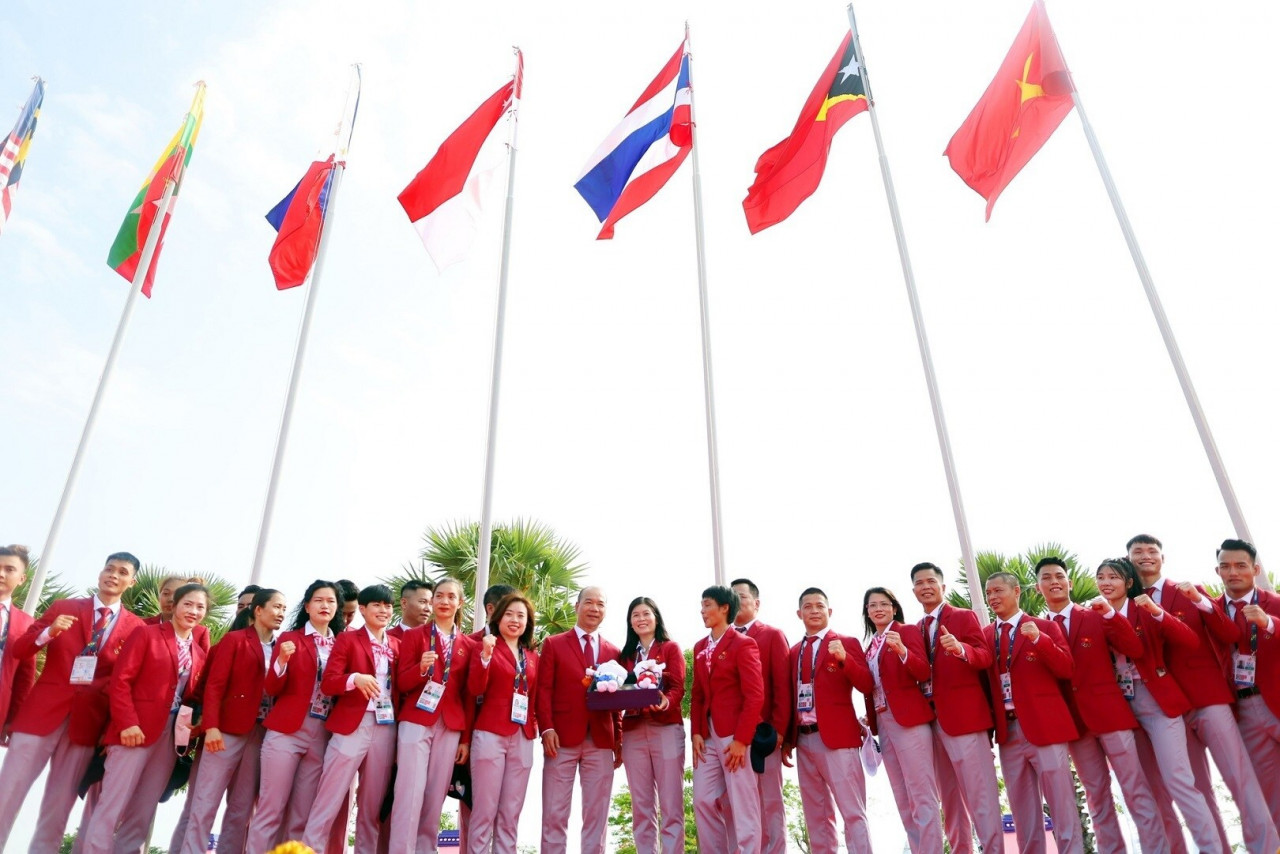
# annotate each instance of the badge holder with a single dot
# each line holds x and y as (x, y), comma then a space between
(804, 697)
(83, 669)
(1245, 667)
(519, 709)
(429, 699)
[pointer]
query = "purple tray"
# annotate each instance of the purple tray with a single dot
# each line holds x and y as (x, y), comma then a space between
(624, 698)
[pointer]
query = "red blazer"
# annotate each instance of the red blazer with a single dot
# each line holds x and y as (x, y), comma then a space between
(457, 706)
(233, 685)
(18, 673)
(54, 699)
(774, 654)
(960, 697)
(496, 683)
(1037, 694)
(200, 634)
(1201, 672)
(293, 690)
(1159, 639)
(669, 653)
(728, 692)
(1096, 701)
(1267, 675)
(833, 684)
(353, 653)
(562, 696)
(901, 681)
(145, 679)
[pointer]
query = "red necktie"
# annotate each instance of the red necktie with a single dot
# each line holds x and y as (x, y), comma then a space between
(806, 659)
(1150, 591)
(1061, 621)
(587, 652)
(1243, 625)
(1002, 662)
(925, 626)
(104, 615)
(184, 656)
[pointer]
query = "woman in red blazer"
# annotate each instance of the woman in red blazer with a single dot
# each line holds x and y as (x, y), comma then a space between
(235, 705)
(899, 713)
(653, 744)
(293, 749)
(158, 669)
(1154, 696)
(506, 676)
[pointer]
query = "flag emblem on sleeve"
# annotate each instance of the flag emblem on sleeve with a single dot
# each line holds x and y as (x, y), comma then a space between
(1023, 106)
(791, 171)
(644, 150)
(13, 155)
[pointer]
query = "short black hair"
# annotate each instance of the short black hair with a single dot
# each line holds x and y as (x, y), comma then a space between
(920, 567)
(374, 593)
(1145, 539)
(127, 558)
(495, 594)
(809, 591)
(415, 584)
(755, 591)
(350, 593)
(1126, 570)
(251, 590)
(722, 595)
(1049, 560)
(1008, 576)
(1238, 546)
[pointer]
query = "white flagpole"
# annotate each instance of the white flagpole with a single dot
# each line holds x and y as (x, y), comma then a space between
(139, 277)
(1166, 333)
(713, 456)
(976, 593)
(304, 332)
(485, 544)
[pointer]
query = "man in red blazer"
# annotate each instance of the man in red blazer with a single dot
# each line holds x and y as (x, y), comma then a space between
(726, 708)
(1101, 712)
(360, 674)
(824, 669)
(63, 718)
(575, 741)
(1033, 723)
(1201, 673)
(415, 606)
(1254, 662)
(965, 766)
(777, 710)
(17, 675)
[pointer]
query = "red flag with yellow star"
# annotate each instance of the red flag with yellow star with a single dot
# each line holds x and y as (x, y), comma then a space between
(1023, 106)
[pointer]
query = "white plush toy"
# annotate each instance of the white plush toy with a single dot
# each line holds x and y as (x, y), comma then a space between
(649, 674)
(608, 677)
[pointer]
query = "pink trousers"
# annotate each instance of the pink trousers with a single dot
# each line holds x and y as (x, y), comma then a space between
(500, 766)
(966, 772)
(135, 779)
(291, 765)
(425, 757)
(24, 759)
(1034, 772)
(368, 752)
(233, 772)
(1260, 730)
(653, 757)
(908, 757)
(1095, 757)
(722, 797)
(831, 781)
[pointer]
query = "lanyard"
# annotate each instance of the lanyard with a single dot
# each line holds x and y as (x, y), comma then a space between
(436, 640)
(1008, 656)
(96, 641)
(1253, 627)
(800, 659)
(520, 674)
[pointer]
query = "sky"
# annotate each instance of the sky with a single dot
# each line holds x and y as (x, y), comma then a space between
(1067, 422)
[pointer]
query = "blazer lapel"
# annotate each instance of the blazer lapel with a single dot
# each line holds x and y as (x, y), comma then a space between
(86, 619)
(1074, 629)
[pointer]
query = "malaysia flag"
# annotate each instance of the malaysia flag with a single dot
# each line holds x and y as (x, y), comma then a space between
(299, 222)
(644, 150)
(446, 199)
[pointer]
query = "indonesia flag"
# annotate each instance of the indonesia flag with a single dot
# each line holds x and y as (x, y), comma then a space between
(444, 200)
(646, 149)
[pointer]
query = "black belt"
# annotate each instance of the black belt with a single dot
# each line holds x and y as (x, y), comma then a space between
(1246, 693)
(1010, 715)
(807, 729)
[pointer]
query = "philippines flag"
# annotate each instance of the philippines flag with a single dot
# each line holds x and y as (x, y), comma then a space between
(445, 200)
(299, 222)
(646, 149)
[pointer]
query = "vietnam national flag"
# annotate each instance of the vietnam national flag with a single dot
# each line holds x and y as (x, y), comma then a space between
(790, 172)
(126, 251)
(1023, 106)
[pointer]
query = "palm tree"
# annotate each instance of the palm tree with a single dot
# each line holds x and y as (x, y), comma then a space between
(54, 589)
(143, 598)
(526, 554)
(1083, 587)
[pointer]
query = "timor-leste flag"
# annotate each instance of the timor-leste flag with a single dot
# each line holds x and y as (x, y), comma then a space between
(1023, 106)
(788, 173)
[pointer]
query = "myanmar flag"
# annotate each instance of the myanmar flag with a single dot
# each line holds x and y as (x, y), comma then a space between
(790, 172)
(126, 251)
(1029, 97)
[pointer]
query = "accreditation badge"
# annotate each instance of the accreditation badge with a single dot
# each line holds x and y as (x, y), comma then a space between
(926, 688)
(1006, 689)
(519, 709)
(383, 712)
(321, 705)
(1124, 679)
(429, 699)
(1246, 665)
(83, 669)
(804, 697)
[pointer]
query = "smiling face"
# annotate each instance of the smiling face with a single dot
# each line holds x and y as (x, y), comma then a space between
(271, 615)
(1002, 597)
(1237, 571)
(928, 588)
(12, 574)
(116, 577)
(513, 621)
(189, 611)
(879, 610)
(643, 621)
(590, 608)
(376, 615)
(321, 607)
(1054, 585)
(1112, 585)
(446, 601)
(1149, 559)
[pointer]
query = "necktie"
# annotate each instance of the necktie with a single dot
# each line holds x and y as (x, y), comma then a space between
(742, 630)
(1061, 620)
(4, 626)
(104, 615)
(184, 656)
(1151, 591)
(1243, 625)
(927, 627)
(1006, 642)
(588, 652)
(806, 659)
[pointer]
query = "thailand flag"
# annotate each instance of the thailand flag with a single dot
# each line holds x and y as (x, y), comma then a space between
(644, 150)
(299, 222)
